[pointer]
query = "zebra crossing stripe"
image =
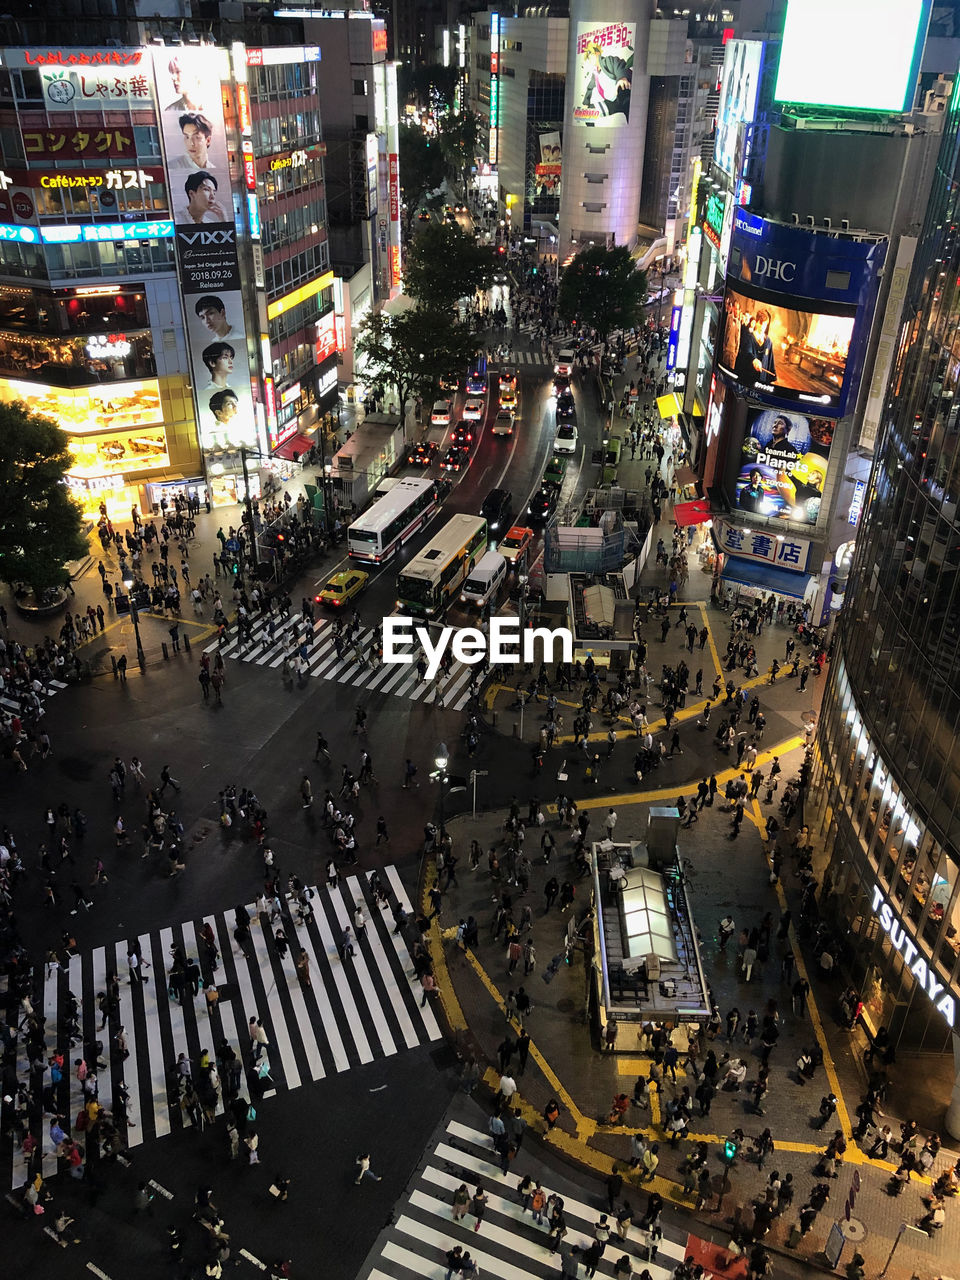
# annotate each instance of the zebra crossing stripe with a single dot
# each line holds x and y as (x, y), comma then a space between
(352, 1013)
(400, 679)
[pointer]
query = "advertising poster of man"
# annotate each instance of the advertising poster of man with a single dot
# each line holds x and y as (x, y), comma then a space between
(188, 87)
(605, 54)
(785, 351)
(549, 166)
(738, 97)
(784, 465)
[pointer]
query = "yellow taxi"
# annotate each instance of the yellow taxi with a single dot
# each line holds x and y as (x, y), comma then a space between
(341, 588)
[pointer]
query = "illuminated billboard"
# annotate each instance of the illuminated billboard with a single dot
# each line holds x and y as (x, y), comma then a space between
(738, 98)
(816, 292)
(549, 166)
(857, 55)
(194, 137)
(785, 457)
(604, 81)
(789, 352)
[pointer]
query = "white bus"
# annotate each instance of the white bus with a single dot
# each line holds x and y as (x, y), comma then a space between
(433, 577)
(382, 529)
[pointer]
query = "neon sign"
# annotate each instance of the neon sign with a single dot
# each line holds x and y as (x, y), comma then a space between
(921, 969)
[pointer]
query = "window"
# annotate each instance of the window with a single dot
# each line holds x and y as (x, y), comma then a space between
(361, 122)
(359, 88)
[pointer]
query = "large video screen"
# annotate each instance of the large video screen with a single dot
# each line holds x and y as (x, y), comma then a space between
(786, 352)
(784, 465)
(605, 76)
(862, 55)
(738, 97)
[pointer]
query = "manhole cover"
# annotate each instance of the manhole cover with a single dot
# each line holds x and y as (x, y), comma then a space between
(76, 767)
(853, 1230)
(565, 1006)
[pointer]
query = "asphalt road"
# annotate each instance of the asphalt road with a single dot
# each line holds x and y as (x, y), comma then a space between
(263, 737)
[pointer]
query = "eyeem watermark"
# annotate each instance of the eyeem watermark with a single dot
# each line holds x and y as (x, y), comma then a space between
(506, 643)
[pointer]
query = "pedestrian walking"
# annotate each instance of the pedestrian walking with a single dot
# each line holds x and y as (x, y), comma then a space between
(363, 1165)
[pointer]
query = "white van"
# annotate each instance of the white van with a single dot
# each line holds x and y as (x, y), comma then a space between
(487, 576)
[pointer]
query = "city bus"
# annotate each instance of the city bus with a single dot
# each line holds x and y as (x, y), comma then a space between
(433, 577)
(383, 528)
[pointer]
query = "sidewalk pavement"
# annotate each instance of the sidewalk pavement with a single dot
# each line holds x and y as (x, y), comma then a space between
(566, 1062)
(118, 635)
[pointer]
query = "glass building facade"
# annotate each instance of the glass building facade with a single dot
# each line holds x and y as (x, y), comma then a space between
(887, 778)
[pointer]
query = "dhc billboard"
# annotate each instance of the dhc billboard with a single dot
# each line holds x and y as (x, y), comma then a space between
(797, 310)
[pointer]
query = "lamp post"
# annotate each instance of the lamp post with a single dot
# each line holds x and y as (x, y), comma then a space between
(248, 501)
(135, 617)
(441, 760)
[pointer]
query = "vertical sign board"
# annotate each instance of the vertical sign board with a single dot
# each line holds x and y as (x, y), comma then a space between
(194, 140)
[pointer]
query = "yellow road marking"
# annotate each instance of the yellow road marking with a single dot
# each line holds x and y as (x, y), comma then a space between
(686, 789)
(828, 1065)
(713, 648)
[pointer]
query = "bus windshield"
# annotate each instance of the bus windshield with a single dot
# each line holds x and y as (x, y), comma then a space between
(416, 590)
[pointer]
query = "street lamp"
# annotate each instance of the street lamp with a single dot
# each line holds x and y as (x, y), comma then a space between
(441, 760)
(135, 616)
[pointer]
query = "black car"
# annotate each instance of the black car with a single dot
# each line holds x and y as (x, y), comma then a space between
(455, 459)
(496, 509)
(566, 409)
(462, 435)
(542, 505)
(422, 454)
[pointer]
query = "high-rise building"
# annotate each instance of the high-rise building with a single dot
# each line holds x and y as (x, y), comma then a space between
(887, 781)
(165, 285)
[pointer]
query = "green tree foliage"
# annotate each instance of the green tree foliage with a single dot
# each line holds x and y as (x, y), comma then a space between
(459, 138)
(602, 288)
(41, 527)
(412, 351)
(422, 166)
(443, 264)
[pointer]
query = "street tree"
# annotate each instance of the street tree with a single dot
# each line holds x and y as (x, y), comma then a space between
(443, 264)
(604, 289)
(459, 138)
(414, 350)
(422, 165)
(41, 526)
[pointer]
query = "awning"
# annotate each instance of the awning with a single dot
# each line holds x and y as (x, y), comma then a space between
(754, 574)
(669, 406)
(297, 444)
(696, 512)
(684, 476)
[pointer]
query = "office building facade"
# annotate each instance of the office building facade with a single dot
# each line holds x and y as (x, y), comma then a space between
(887, 781)
(163, 259)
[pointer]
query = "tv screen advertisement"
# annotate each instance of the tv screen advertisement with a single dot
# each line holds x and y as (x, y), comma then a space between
(785, 351)
(853, 55)
(785, 458)
(605, 74)
(738, 98)
(794, 303)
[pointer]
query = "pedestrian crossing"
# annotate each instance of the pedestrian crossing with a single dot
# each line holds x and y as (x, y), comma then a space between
(267, 647)
(354, 1011)
(9, 700)
(509, 1244)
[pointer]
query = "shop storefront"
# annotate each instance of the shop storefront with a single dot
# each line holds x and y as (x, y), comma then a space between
(115, 433)
(892, 887)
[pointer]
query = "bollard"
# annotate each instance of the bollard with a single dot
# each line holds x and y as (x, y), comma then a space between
(113, 663)
(166, 655)
(186, 642)
(493, 718)
(516, 729)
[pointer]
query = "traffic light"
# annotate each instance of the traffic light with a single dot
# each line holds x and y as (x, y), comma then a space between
(730, 1150)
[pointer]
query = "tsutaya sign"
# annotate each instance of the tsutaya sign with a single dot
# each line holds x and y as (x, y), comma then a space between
(896, 931)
